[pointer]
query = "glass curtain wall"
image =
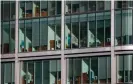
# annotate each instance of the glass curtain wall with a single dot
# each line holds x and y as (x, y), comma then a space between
(41, 72)
(123, 23)
(89, 70)
(30, 9)
(124, 68)
(39, 34)
(7, 73)
(87, 30)
(8, 26)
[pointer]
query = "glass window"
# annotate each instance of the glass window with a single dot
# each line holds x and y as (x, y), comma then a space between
(51, 8)
(83, 6)
(92, 6)
(2, 9)
(107, 5)
(29, 9)
(12, 9)
(42, 71)
(51, 33)
(92, 34)
(44, 34)
(123, 4)
(58, 7)
(38, 72)
(28, 36)
(6, 14)
(124, 68)
(44, 8)
(75, 6)
(75, 31)
(123, 27)
(8, 70)
(35, 35)
(127, 32)
(118, 28)
(58, 32)
(67, 32)
(100, 5)
(36, 8)
(22, 34)
(22, 9)
(12, 36)
(68, 7)
(83, 34)
(89, 70)
(6, 37)
(107, 23)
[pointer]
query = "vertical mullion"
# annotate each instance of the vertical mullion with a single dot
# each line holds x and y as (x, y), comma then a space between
(124, 69)
(81, 78)
(34, 72)
(71, 31)
(98, 70)
(42, 73)
(96, 24)
(104, 30)
(26, 72)
(55, 25)
(121, 30)
(107, 70)
(90, 70)
(25, 28)
(73, 70)
(56, 72)
(95, 31)
(79, 31)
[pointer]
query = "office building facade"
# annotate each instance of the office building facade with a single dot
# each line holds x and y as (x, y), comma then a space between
(66, 42)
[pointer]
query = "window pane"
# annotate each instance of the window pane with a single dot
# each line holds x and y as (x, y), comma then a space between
(75, 6)
(44, 8)
(51, 33)
(58, 33)
(44, 34)
(51, 8)
(28, 36)
(83, 34)
(38, 72)
(124, 70)
(21, 9)
(36, 8)
(6, 13)
(12, 36)
(21, 36)
(118, 28)
(92, 6)
(94, 70)
(127, 37)
(6, 37)
(100, 5)
(29, 9)
(68, 7)
(83, 6)
(75, 35)
(12, 8)
(35, 35)
(58, 7)
(8, 73)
